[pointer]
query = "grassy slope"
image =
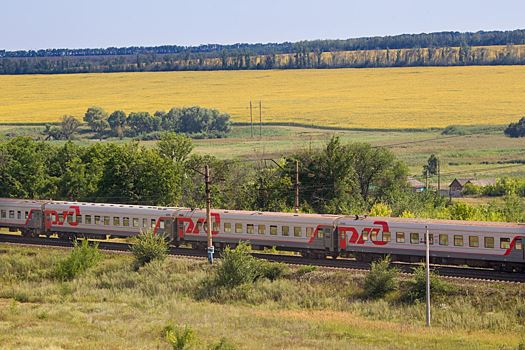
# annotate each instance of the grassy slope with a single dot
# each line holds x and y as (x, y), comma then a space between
(386, 98)
(113, 307)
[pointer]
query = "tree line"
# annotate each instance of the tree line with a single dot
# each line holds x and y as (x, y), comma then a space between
(194, 121)
(433, 49)
(340, 178)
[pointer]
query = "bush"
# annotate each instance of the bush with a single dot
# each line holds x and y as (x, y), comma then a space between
(223, 344)
(82, 257)
(237, 267)
(381, 279)
(417, 287)
(178, 337)
(147, 247)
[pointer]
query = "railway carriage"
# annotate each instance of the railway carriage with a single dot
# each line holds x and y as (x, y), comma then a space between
(483, 244)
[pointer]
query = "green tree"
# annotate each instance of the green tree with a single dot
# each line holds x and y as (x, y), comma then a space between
(516, 129)
(431, 166)
(117, 123)
(175, 147)
(96, 118)
(69, 126)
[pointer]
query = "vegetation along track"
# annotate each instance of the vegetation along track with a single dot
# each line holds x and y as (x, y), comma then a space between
(446, 271)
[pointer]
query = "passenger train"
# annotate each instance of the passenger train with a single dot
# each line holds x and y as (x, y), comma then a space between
(480, 244)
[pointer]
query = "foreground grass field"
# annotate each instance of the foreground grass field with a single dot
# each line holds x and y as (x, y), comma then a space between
(370, 98)
(114, 307)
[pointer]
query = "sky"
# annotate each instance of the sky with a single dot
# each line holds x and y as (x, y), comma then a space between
(38, 24)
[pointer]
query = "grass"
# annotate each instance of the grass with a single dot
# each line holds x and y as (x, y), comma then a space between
(359, 98)
(112, 306)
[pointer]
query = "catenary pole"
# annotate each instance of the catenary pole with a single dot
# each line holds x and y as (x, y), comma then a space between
(251, 117)
(210, 249)
(427, 271)
(296, 201)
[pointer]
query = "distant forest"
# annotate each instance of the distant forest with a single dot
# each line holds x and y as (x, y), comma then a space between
(433, 49)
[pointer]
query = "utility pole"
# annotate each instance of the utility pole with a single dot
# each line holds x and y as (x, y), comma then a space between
(210, 249)
(426, 179)
(296, 202)
(260, 119)
(427, 270)
(439, 175)
(251, 117)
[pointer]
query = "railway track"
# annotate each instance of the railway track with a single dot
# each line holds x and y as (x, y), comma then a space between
(445, 271)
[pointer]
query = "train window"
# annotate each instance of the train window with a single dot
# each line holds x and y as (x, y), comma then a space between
(309, 232)
(285, 230)
(144, 222)
(489, 242)
(473, 241)
(227, 227)
(387, 236)
(215, 226)
(238, 228)
(88, 219)
(135, 222)
(297, 231)
(414, 238)
(400, 237)
(504, 243)
(262, 229)
(125, 221)
(273, 230)
(458, 240)
(97, 219)
(161, 224)
(19, 215)
(199, 226)
(373, 235)
(11, 214)
(69, 218)
(443, 239)
(3, 214)
(106, 220)
(249, 228)
(79, 219)
(519, 245)
(320, 233)
(116, 221)
(153, 223)
(26, 215)
(431, 238)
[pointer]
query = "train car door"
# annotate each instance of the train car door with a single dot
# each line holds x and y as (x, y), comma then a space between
(330, 238)
(170, 229)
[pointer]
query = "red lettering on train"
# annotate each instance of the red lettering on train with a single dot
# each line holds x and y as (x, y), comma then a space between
(367, 233)
(197, 227)
(52, 217)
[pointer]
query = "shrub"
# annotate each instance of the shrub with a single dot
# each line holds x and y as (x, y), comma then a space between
(179, 338)
(82, 257)
(147, 247)
(223, 344)
(237, 267)
(272, 270)
(417, 287)
(380, 209)
(381, 279)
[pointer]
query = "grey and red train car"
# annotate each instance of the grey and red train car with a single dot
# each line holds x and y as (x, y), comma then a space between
(483, 244)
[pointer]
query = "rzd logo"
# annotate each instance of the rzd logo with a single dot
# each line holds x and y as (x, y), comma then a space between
(200, 225)
(53, 217)
(368, 233)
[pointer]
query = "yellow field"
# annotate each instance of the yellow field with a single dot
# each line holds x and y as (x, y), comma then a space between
(380, 97)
